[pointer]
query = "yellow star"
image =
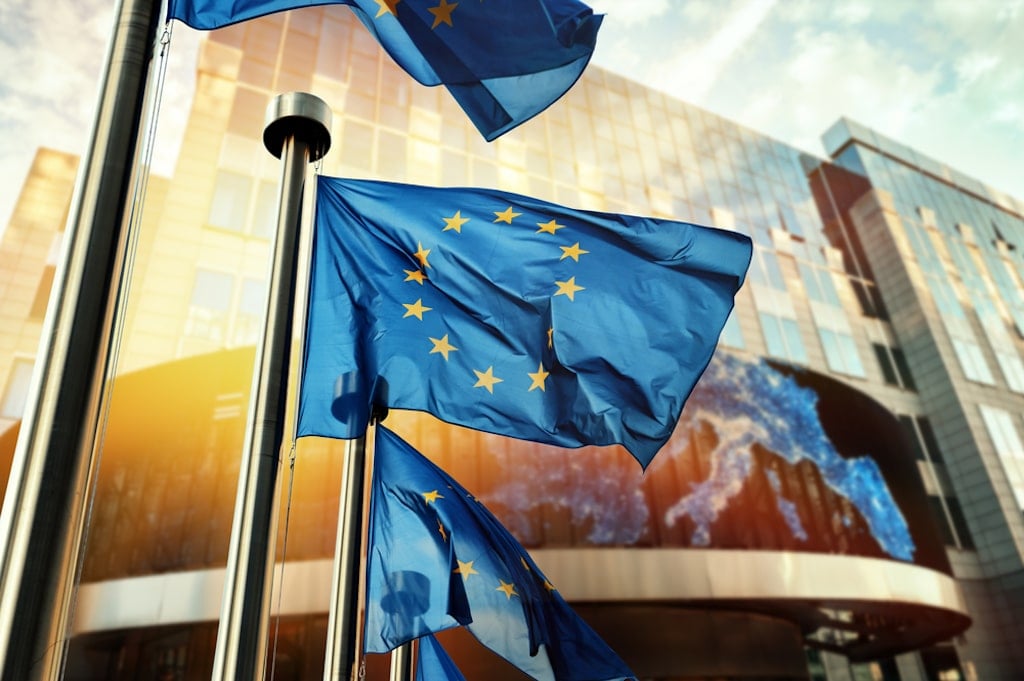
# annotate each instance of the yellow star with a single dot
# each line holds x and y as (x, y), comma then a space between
(386, 6)
(443, 12)
(551, 333)
(415, 275)
(417, 309)
(568, 288)
(455, 222)
(573, 252)
(421, 255)
(549, 586)
(442, 346)
(508, 589)
(440, 528)
(549, 227)
(431, 497)
(525, 565)
(486, 379)
(506, 215)
(465, 569)
(538, 378)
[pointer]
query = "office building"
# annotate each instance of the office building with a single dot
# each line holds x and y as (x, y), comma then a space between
(843, 496)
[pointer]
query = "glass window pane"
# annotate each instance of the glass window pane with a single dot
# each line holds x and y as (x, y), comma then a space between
(264, 218)
(774, 272)
(797, 353)
(833, 355)
(903, 368)
(851, 357)
(942, 521)
(915, 441)
(810, 282)
(960, 523)
(732, 335)
(230, 201)
(931, 443)
(772, 335)
(212, 290)
(828, 288)
(252, 302)
(888, 371)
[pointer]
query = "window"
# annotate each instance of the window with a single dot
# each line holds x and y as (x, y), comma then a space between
(894, 366)
(956, 514)
(244, 205)
(16, 390)
(764, 269)
(886, 364)
(931, 444)
(903, 368)
(915, 441)
(251, 310)
(819, 285)
(732, 334)
(230, 203)
(943, 522)
(841, 352)
(1008, 446)
(972, 361)
(782, 337)
(210, 304)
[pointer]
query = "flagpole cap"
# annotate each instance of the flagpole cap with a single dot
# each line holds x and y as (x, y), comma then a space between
(300, 115)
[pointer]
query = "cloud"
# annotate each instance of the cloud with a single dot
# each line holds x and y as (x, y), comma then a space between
(693, 70)
(53, 54)
(633, 13)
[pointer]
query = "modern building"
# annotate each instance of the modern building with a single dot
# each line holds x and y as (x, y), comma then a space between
(842, 500)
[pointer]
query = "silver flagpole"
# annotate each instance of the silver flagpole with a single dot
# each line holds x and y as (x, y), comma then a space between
(401, 663)
(297, 132)
(344, 609)
(50, 489)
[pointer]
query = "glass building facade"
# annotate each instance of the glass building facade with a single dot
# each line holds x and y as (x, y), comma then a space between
(882, 313)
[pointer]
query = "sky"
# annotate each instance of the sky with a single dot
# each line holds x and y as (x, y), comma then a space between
(945, 77)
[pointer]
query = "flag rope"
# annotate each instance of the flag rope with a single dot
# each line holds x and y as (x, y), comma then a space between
(284, 555)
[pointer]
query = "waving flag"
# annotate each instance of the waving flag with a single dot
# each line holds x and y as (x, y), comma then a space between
(509, 315)
(503, 62)
(439, 559)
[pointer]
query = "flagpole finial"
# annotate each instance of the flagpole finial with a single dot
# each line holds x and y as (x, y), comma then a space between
(302, 115)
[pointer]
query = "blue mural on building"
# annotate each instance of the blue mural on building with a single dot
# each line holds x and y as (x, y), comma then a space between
(763, 451)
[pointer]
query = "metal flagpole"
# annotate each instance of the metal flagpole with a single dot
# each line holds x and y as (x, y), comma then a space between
(344, 609)
(401, 662)
(50, 489)
(297, 132)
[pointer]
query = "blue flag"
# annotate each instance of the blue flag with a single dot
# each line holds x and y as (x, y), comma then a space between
(503, 62)
(509, 315)
(438, 559)
(433, 663)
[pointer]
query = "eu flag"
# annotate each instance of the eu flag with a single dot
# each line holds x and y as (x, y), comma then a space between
(438, 559)
(503, 62)
(510, 315)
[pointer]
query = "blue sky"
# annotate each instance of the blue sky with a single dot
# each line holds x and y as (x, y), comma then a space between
(943, 76)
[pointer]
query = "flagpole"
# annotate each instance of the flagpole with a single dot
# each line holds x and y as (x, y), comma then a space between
(401, 662)
(297, 132)
(344, 609)
(50, 489)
